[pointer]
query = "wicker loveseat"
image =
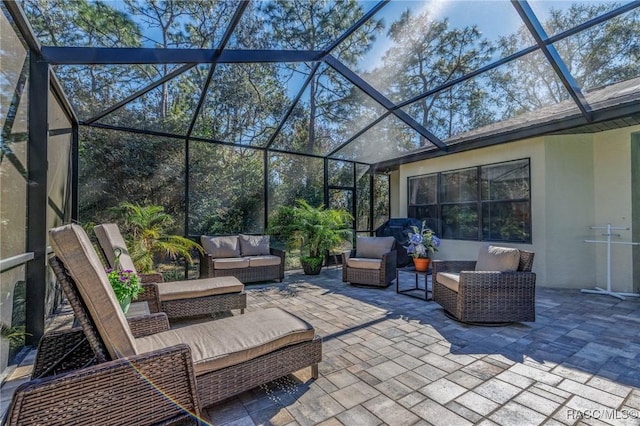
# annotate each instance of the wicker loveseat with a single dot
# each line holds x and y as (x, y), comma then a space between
(249, 258)
(497, 288)
(151, 374)
(372, 263)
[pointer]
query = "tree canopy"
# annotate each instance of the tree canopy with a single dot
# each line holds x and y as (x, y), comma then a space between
(246, 103)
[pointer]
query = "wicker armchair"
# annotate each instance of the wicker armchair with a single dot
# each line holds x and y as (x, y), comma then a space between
(372, 263)
(485, 296)
(160, 378)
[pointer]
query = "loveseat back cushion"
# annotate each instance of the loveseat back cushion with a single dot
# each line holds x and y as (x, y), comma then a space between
(192, 289)
(373, 247)
(215, 247)
(233, 340)
(231, 263)
(72, 246)
(111, 240)
(500, 259)
(364, 263)
(254, 245)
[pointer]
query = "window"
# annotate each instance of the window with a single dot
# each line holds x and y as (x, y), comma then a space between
(505, 202)
(459, 204)
(423, 200)
(486, 203)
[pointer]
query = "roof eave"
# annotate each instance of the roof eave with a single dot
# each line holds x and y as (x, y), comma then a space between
(575, 121)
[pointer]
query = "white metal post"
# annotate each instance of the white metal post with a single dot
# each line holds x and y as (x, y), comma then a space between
(608, 242)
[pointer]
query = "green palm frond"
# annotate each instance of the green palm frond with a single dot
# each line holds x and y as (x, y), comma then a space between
(148, 233)
(14, 334)
(311, 229)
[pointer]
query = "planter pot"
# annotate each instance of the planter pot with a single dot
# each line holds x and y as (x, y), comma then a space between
(421, 263)
(311, 268)
(125, 304)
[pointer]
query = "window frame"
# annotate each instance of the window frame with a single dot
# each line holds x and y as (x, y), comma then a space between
(479, 203)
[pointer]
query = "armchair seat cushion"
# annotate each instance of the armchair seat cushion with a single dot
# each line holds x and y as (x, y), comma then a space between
(364, 263)
(178, 290)
(264, 260)
(449, 280)
(231, 263)
(230, 341)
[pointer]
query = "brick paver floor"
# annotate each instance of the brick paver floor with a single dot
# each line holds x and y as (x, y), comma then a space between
(392, 359)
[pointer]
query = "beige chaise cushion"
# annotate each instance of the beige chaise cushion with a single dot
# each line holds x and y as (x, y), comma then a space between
(449, 280)
(191, 289)
(233, 340)
(254, 245)
(72, 246)
(215, 247)
(110, 239)
(498, 259)
(265, 260)
(373, 247)
(364, 263)
(231, 263)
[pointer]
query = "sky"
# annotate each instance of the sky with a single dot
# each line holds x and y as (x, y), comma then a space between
(494, 18)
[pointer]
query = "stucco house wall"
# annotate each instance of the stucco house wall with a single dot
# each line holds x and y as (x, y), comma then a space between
(613, 189)
(577, 181)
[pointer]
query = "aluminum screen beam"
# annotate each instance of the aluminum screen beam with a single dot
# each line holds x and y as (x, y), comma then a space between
(213, 141)
(551, 53)
(292, 106)
(469, 76)
(586, 25)
(366, 17)
(37, 197)
(218, 52)
(140, 92)
(20, 19)
(143, 55)
(383, 100)
(359, 133)
(205, 88)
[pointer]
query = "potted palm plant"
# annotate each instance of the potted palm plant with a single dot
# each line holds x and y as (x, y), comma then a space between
(313, 230)
(147, 230)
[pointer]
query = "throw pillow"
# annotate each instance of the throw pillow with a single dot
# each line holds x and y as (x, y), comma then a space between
(501, 259)
(373, 247)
